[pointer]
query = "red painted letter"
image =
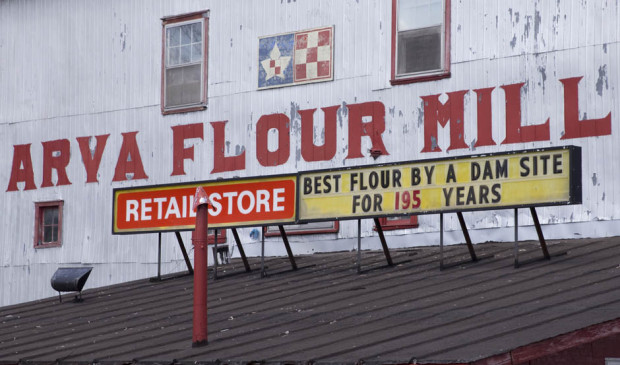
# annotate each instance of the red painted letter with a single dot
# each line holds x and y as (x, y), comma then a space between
(56, 155)
(221, 162)
(129, 160)
(21, 171)
(372, 129)
(573, 127)
(92, 159)
(485, 122)
(179, 153)
(279, 122)
(515, 132)
(435, 112)
(310, 151)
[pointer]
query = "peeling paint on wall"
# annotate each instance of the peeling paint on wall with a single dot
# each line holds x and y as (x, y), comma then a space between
(543, 74)
(602, 79)
(343, 112)
(536, 24)
(123, 37)
(420, 116)
(239, 150)
(295, 119)
(472, 145)
(526, 29)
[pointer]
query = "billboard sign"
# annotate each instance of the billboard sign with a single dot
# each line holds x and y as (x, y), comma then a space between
(480, 182)
(491, 181)
(233, 203)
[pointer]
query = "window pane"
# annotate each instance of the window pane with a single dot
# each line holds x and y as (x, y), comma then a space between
(197, 32)
(47, 234)
(54, 233)
(196, 52)
(183, 85)
(173, 56)
(50, 234)
(186, 54)
(186, 34)
(419, 50)
(50, 215)
(415, 14)
(174, 76)
(192, 74)
(174, 36)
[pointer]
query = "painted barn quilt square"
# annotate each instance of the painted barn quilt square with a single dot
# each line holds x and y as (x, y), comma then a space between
(296, 58)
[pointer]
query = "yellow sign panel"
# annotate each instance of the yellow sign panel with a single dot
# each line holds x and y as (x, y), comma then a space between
(529, 178)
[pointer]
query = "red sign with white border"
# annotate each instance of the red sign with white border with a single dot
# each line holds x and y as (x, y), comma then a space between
(233, 203)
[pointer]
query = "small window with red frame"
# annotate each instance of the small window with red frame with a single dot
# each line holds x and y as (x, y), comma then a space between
(305, 228)
(392, 223)
(221, 236)
(48, 224)
(420, 40)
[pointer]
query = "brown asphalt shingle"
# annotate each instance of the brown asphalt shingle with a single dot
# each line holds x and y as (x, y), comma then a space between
(328, 313)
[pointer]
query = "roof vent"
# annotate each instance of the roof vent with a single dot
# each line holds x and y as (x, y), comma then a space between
(70, 279)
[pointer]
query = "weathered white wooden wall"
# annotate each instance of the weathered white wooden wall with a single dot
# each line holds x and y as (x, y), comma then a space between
(74, 68)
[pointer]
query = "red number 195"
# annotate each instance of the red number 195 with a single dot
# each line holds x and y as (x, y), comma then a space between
(408, 200)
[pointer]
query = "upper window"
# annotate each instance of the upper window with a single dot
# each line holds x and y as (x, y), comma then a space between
(48, 224)
(184, 74)
(420, 40)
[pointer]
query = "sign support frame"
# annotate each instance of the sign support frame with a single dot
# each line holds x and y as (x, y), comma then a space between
(541, 240)
(386, 250)
(184, 251)
(287, 246)
(215, 253)
(244, 258)
(188, 263)
(470, 247)
(263, 273)
(359, 246)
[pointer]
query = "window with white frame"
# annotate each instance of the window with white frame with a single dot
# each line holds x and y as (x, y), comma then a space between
(184, 74)
(420, 40)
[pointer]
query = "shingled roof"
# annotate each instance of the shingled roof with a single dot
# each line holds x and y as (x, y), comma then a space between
(325, 312)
